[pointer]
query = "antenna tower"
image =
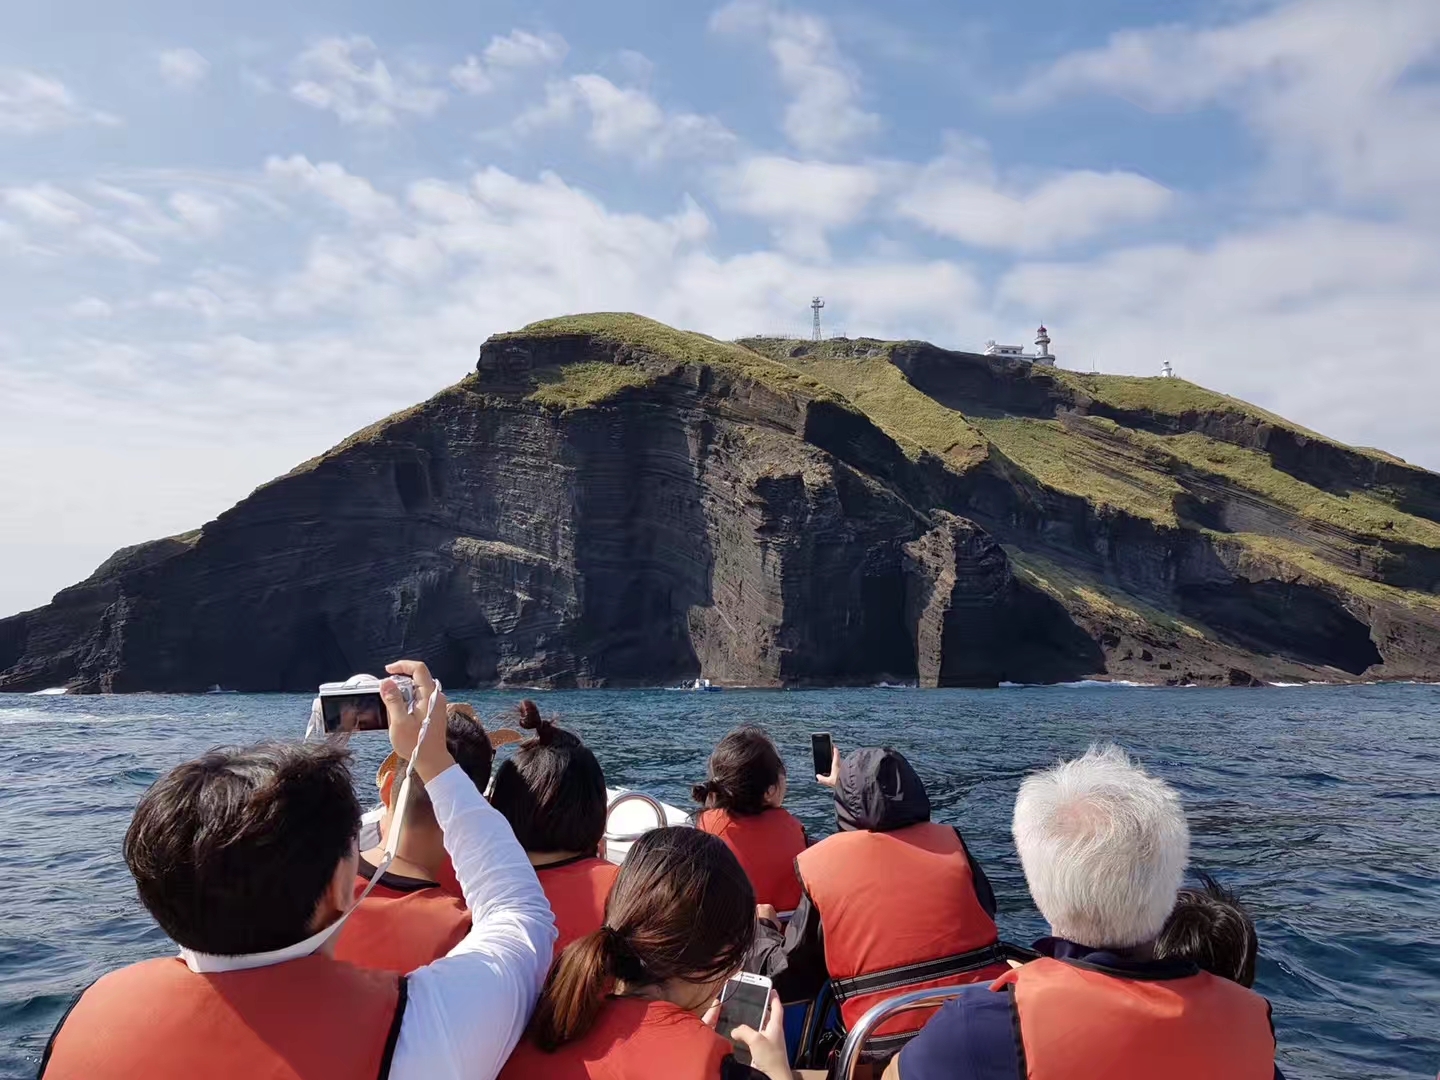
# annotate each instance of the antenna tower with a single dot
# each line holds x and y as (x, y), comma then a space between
(815, 305)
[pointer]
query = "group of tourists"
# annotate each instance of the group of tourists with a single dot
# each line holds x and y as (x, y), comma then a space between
(491, 937)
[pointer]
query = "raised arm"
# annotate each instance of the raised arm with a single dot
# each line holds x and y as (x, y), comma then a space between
(467, 1010)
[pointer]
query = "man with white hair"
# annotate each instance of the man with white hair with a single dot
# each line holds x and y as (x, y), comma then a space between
(1104, 846)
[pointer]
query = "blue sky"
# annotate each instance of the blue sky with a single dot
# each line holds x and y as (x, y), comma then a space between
(229, 239)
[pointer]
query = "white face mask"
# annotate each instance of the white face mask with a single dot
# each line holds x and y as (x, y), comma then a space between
(205, 962)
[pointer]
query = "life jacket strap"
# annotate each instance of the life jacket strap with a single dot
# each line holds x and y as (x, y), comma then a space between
(898, 978)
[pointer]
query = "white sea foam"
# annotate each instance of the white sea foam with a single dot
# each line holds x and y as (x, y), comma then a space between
(1084, 684)
(51, 692)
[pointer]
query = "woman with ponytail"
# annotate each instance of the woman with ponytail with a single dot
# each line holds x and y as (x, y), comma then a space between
(552, 791)
(628, 1001)
(743, 798)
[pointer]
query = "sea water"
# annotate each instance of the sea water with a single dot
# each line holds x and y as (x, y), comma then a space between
(1320, 805)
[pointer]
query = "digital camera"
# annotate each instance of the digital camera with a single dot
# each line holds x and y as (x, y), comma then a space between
(355, 705)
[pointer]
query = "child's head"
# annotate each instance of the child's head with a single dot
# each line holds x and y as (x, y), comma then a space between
(1210, 927)
(746, 774)
(552, 791)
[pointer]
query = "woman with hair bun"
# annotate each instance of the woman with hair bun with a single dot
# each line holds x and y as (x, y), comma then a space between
(552, 791)
(628, 1001)
(743, 798)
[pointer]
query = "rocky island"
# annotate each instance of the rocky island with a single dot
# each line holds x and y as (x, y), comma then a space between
(607, 501)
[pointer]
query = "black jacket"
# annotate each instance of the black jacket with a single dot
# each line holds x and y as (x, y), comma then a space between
(878, 791)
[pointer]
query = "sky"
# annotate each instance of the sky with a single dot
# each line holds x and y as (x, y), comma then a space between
(232, 234)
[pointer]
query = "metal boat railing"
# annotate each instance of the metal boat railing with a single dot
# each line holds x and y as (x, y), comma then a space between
(878, 1014)
(661, 818)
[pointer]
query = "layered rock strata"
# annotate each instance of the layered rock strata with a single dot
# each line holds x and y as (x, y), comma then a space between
(609, 502)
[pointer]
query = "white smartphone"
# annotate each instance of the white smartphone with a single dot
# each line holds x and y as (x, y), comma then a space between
(745, 1000)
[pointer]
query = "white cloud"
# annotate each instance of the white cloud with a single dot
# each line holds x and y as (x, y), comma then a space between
(183, 69)
(103, 240)
(203, 215)
(91, 307)
(625, 120)
(1342, 86)
(46, 204)
(800, 199)
(959, 196)
(31, 103)
(506, 54)
(628, 120)
(823, 116)
(353, 194)
(348, 77)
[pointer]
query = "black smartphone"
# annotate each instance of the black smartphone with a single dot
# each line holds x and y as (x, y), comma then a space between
(822, 749)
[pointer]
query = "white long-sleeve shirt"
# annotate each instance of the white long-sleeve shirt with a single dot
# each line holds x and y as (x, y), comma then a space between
(467, 1010)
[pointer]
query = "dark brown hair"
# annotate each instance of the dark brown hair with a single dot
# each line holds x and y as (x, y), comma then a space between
(681, 908)
(231, 852)
(1210, 927)
(468, 744)
(743, 767)
(552, 791)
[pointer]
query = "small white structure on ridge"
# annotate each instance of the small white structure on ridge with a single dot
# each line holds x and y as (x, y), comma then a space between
(1166, 371)
(1042, 355)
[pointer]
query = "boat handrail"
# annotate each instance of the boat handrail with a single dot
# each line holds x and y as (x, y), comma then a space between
(661, 818)
(859, 1034)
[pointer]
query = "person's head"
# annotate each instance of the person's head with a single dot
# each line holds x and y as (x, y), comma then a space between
(1104, 846)
(250, 849)
(680, 918)
(469, 745)
(1210, 927)
(879, 791)
(746, 774)
(552, 790)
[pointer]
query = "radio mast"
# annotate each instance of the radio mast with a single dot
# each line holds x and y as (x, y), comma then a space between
(815, 305)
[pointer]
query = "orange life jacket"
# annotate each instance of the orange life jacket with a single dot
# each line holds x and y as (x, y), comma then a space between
(1080, 1022)
(899, 912)
(308, 1019)
(766, 845)
(577, 892)
(398, 929)
(633, 1039)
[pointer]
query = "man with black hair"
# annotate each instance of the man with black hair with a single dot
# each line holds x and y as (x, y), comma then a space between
(247, 860)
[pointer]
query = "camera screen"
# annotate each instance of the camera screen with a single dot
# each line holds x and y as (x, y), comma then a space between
(354, 712)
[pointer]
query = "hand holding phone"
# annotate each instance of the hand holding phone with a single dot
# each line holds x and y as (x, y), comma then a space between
(744, 1002)
(761, 1046)
(826, 759)
(822, 748)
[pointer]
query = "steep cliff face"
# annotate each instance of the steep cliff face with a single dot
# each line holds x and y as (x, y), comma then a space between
(607, 501)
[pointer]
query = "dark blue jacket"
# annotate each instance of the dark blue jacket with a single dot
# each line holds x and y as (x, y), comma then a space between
(973, 1037)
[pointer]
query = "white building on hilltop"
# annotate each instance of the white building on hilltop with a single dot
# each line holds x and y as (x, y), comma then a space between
(1041, 356)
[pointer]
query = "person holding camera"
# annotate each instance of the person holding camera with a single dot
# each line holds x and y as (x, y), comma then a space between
(247, 860)
(414, 914)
